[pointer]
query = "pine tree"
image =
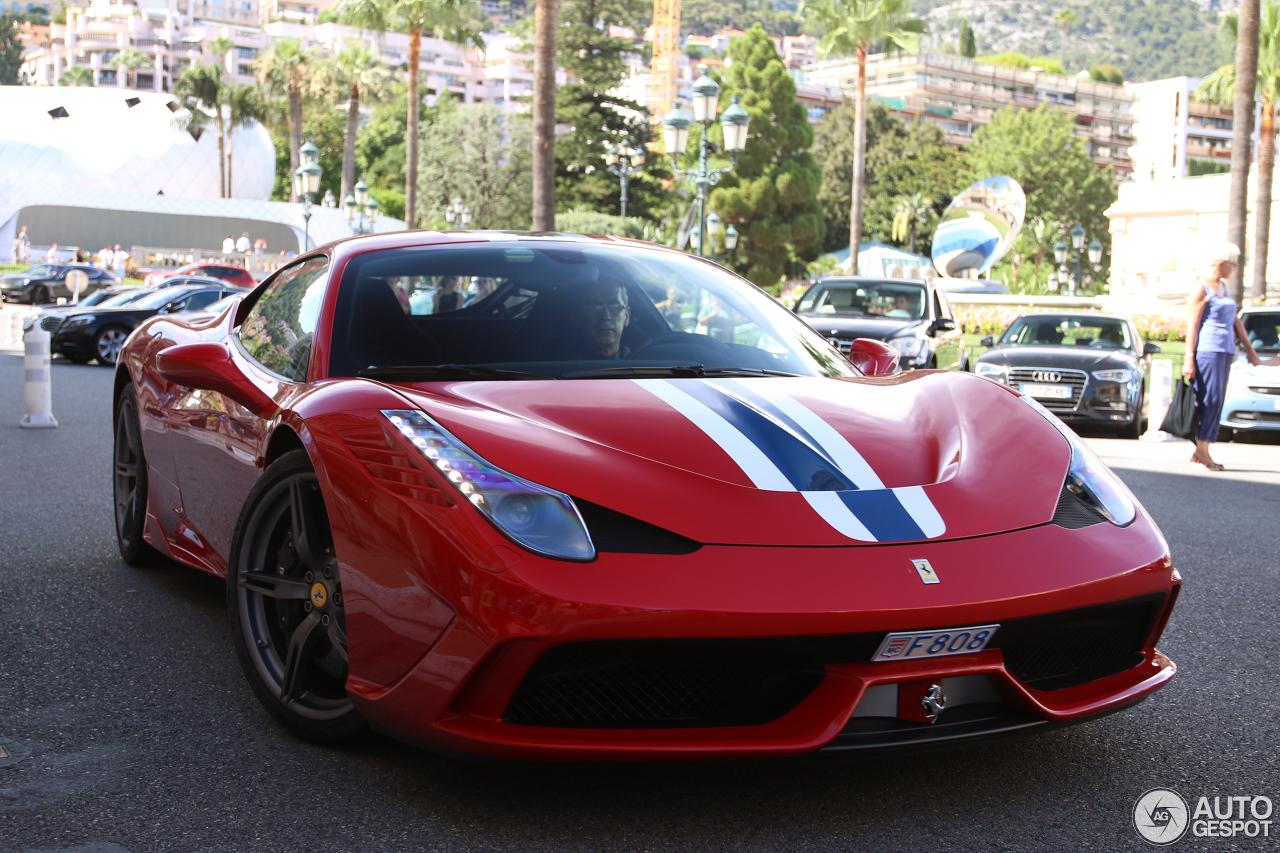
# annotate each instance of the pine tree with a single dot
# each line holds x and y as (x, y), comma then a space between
(968, 43)
(772, 195)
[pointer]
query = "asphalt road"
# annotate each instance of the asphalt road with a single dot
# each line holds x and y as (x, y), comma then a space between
(135, 731)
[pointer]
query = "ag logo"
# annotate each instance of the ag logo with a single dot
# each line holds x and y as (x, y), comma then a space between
(1160, 816)
(926, 572)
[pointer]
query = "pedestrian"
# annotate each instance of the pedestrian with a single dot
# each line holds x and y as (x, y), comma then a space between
(448, 299)
(243, 244)
(52, 256)
(119, 261)
(259, 246)
(229, 245)
(80, 256)
(1213, 329)
(106, 258)
(21, 246)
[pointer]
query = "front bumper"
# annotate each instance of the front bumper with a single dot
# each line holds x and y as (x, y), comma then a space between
(1248, 410)
(73, 343)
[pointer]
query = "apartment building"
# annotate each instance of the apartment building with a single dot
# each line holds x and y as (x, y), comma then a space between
(961, 95)
(1178, 136)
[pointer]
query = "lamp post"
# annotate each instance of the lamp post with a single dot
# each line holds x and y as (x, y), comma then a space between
(457, 212)
(1074, 276)
(675, 135)
(359, 203)
(624, 161)
(306, 183)
(329, 200)
(730, 237)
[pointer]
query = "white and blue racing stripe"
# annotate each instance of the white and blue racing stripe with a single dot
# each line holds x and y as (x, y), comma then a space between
(783, 446)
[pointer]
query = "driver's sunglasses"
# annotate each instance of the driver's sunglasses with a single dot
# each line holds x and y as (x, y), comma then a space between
(614, 307)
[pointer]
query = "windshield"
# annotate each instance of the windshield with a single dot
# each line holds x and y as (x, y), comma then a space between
(1264, 331)
(552, 309)
(156, 299)
(111, 300)
(894, 299)
(40, 271)
(1057, 330)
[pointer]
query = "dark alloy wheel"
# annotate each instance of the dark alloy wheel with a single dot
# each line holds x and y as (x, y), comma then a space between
(39, 295)
(129, 482)
(284, 598)
(1133, 429)
(106, 346)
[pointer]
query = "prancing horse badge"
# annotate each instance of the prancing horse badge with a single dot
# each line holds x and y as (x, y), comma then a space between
(926, 572)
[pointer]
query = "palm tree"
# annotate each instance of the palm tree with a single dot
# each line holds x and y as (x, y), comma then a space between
(1066, 17)
(199, 89)
(130, 59)
(357, 68)
(850, 28)
(546, 17)
(1220, 88)
(413, 17)
(220, 47)
(908, 212)
(288, 69)
(76, 75)
(244, 107)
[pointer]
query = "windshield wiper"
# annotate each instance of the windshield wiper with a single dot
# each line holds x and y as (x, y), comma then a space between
(691, 371)
(429, 372)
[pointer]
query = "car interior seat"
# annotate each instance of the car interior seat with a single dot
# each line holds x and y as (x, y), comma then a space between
(382, 335)
(1049, 334)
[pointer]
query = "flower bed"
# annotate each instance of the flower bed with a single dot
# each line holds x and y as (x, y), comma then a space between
(994, 319)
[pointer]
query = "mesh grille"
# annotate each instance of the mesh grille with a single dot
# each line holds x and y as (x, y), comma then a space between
(1060, 650)
(1073, 513)
(388, 464)
(614, 532)
(1266, 390)
(49, 322)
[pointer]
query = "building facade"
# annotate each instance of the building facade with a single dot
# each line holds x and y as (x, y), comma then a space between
(1178, 136)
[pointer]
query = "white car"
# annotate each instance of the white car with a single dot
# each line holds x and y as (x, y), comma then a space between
(1253, 393)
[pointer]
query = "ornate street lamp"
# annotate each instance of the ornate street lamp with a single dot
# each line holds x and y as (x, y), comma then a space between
(730, 237)
(359, 207)
(675, 134)
(328, 200)
(624, 161)
(457, 212)
(306, 183)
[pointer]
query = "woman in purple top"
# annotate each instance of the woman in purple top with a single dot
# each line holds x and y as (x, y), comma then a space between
(1212, 332)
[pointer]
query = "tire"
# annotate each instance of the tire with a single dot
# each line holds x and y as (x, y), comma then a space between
(39, 295)
(1133, 429)
(129, 482)
(284, 600)
(107, 343)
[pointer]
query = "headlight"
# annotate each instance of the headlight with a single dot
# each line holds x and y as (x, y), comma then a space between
(540, 519)
(83, 320)
(993, 371)
(1113, 375)
(909, 345)
(1089, 479)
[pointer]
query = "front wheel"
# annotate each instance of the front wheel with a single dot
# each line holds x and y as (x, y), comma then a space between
(106, 346)
(284, 599)
(129, 482)
(1134, 428)
(39, 295)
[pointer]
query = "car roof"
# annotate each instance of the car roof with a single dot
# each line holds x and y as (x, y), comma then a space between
(1084, 315)
(866, 279)
(1261, 309)
(203, 280)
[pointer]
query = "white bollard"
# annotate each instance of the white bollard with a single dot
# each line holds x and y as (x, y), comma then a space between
(1161, 396)
(39, 388)
(15, 327)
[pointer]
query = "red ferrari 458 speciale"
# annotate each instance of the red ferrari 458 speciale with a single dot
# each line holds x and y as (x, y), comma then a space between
(568, 498)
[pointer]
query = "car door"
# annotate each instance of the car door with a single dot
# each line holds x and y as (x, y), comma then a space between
(217, 441)
(948, 341)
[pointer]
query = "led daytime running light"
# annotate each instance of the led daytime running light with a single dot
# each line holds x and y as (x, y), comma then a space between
(1089, 479)
(537, 518)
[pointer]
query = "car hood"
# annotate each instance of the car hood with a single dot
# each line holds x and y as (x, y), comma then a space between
(13, 278)
(879, 328)
(779, 461)
(1077, 358)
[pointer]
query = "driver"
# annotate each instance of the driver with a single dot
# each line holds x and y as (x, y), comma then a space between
(902, 306)
(597, 317)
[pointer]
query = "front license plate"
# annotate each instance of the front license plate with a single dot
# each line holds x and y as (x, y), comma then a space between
(905, 645)
(1048, 392)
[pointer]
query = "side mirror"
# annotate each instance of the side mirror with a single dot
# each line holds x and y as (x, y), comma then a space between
(207, 365)
(988, 342)
(944, 324)
(1150, 349)
(872, 357)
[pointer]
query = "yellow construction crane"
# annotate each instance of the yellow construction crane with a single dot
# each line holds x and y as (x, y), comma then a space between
(666, 57)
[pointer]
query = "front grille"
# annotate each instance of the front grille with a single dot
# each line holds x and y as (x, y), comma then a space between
(614, 532)
(1019, 376)
(692, 683)
(1073, 513)
(1247, 417)
(50, 322)
(1060, 650)
(1265, 390)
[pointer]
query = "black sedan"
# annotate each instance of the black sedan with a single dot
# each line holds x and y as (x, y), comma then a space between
(44, 283)
(909, 314)
(49, 316)
(1085, 368)
(97, 332)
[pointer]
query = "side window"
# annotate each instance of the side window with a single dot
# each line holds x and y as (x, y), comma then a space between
(279, 329)
(200, 299)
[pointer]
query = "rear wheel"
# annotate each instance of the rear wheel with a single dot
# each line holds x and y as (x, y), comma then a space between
(39, 295)
(129, 482)
(106, 346)
(284, 599)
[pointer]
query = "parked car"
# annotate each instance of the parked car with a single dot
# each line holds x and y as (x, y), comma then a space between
(50, 316)
(910, 314)
(208, 269)
(43, 283)
(1086, 368)
(1253, 393)
(562, 523)
(98, 332)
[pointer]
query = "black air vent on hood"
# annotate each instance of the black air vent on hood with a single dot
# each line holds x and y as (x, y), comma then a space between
(614, 532)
